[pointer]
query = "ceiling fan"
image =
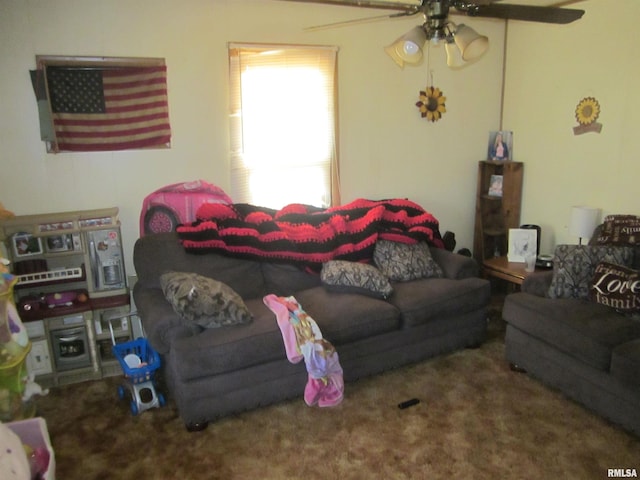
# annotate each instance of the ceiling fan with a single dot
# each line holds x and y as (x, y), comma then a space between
(462, 43)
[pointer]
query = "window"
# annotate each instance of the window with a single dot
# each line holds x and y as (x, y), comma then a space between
(283, 123)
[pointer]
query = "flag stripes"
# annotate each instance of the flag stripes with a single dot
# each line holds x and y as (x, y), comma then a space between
(135, 113)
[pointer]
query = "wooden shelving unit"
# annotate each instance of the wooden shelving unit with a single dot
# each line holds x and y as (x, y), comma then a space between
(495, 215)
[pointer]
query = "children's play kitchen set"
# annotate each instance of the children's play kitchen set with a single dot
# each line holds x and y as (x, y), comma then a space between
(70, 293)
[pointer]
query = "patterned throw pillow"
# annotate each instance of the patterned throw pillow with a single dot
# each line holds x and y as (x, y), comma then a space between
(204, 301)
(401, 262)
(617, 287)
(574, 266)
(619, 230)
(353, 277)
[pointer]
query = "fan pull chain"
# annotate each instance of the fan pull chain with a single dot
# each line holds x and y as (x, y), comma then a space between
(430, 72)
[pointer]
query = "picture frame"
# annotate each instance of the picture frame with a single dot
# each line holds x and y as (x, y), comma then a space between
(523, 242)
(495, 186)
(26, 245)
(500, 146)
(59, 243)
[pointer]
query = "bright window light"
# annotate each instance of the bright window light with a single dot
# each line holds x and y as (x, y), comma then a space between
(282, 125)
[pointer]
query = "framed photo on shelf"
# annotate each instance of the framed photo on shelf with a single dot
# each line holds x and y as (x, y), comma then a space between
(500, 146)
(495, 186)
(59, 243)
(523, 242)
(25, 245)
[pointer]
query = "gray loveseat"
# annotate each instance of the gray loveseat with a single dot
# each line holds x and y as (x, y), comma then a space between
(585, 349)
(215, 372)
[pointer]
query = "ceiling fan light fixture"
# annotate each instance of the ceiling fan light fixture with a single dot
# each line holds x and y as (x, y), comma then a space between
(408, 48)
(454, 56)
(472, 45)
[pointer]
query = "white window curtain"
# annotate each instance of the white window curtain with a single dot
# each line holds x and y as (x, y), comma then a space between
(283, 125)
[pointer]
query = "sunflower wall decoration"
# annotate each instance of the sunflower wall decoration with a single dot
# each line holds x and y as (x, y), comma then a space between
(431, 104)
(587, 112)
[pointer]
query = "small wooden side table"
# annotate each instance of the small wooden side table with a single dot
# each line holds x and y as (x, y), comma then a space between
(501, 267)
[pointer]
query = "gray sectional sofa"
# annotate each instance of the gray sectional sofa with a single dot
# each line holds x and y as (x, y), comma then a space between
(582, 347)
(215, 372)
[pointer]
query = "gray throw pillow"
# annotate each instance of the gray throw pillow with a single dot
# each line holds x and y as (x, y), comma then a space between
(574, 267)
(353, 277)
(204, 301)
(401, 262)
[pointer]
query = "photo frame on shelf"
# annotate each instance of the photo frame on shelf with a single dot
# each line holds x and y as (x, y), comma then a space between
(500, 146)
(522, 243)
(495, 186)
(26, 245)
(59, 243)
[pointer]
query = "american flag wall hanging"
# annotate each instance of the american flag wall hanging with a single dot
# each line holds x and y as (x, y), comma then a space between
(107, 108)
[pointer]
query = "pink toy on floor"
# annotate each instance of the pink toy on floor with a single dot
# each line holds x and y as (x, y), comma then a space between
(303, 340)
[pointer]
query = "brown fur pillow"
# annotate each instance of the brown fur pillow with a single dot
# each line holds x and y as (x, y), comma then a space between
(204, 301)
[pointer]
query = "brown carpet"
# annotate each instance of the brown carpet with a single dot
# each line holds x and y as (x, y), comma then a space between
(476, 419)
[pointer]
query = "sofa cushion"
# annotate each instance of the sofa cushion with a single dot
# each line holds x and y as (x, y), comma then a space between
(156, 254)
(342, 319)
(574, 266)
(403, 262)
(348, 317)
(230, 349)
(285, 279)
(625, 363)
(585, 330)
(203, 301)
(617, 287)
(429, 299)
(342, 276)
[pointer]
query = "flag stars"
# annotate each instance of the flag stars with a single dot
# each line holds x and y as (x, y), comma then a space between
(76, 90)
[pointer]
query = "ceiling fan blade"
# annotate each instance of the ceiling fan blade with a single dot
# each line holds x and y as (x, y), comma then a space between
(355, 21)
(410, 6)
(525, 12)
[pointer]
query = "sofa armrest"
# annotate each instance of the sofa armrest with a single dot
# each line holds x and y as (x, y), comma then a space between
(453, 265)
(537, 283)
(161, 324)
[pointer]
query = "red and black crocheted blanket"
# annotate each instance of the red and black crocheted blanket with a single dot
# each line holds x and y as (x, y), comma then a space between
(307, 235)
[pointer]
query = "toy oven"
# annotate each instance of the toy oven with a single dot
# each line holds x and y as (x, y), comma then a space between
(71, 345)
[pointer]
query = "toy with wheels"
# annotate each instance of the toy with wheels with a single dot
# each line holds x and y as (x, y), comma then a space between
(169, 206)
(160, 219)
(139, 363)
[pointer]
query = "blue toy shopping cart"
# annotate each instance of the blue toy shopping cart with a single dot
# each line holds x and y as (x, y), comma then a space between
(139, 363)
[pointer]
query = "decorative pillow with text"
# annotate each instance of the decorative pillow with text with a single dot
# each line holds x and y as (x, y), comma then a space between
(574, 267)
(619, 230)
(617, 287)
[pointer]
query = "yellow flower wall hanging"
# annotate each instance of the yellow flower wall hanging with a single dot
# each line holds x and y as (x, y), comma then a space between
(431, 104)
(587, 112)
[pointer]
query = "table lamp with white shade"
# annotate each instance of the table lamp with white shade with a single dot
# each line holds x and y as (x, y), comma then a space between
(583, 221)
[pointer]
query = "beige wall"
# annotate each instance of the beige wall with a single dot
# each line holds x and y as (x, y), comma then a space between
(549, 70)
(386, 149)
